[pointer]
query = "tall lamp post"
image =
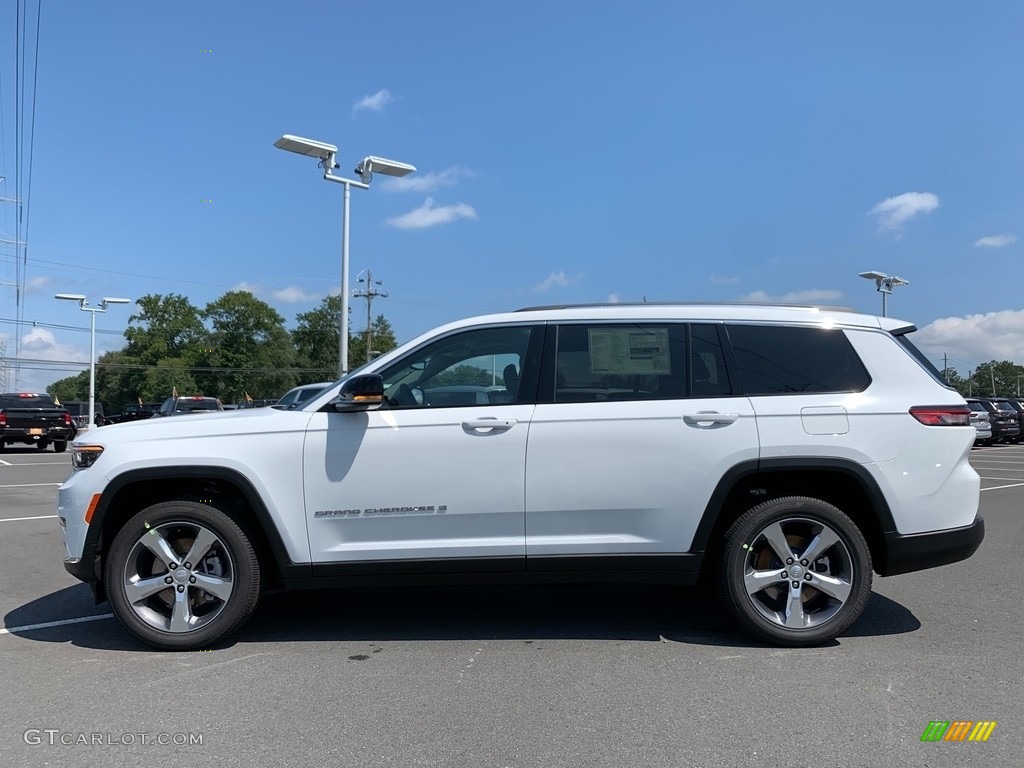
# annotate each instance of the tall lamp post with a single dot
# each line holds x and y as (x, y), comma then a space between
(884, 284)
(83, 305)
(327, 155)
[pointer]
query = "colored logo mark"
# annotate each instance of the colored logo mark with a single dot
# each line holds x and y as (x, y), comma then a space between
(205, 200)
(958, 730)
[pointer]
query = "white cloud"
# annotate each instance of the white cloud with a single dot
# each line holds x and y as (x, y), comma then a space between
(972, 339)
(293, 295)
(559, 279)
(427, 182)
(995, 241)
(38, 284)
(40, 344)
(812, 296)
(614, 298)
(723, 280)
(894, 212)
(252, 288)
(375, 102)
(429, 215)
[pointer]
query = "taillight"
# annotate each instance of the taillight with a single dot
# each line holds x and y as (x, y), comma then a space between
(67, 419)
(942, 415)
(3, 419)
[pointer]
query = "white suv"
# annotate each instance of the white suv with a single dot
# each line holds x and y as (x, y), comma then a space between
(784, 452)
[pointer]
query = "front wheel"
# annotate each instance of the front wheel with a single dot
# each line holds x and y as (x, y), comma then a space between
(796, 571)
(181, 575)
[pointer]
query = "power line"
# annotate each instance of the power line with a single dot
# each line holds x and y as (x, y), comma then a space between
(369, 293)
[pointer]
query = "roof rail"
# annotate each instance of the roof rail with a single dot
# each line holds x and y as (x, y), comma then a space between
(607, 304)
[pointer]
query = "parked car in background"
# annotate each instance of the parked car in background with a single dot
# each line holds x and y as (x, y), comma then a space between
(1005, 427)
(174, 406)
(295, 397)
(261, 403)
(1018, 406)
(79, 410)
(981, 422)
(135, 412)
(34, 419)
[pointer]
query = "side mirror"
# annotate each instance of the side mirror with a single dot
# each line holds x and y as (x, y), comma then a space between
(360, 393)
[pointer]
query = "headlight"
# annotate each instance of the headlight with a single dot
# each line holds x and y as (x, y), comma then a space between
(84, 456)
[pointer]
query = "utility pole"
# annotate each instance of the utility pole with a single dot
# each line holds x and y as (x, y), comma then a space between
(992, 373)
(970, 382)
(369, 293)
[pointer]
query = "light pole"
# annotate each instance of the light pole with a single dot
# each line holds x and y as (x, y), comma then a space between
(83, 305)
(884, 285)
(369, 165)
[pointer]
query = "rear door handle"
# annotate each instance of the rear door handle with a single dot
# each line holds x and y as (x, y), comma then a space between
(710, 417)
(488, 423)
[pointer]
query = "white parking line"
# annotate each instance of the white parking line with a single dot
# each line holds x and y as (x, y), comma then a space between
(5, 463)
(997, 487)
(14, 519)
(47, 624)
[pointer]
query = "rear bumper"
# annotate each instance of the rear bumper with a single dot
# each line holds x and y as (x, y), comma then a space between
(918, 551)
(20, 435)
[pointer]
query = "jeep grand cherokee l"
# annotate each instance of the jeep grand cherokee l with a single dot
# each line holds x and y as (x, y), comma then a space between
(785, 452)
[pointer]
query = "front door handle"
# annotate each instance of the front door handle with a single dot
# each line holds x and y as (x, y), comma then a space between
(710, 417)
(488, 424)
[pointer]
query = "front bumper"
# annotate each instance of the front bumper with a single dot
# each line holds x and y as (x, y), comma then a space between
(918, 551)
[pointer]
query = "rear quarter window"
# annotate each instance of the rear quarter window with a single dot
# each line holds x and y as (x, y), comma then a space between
(778, 360)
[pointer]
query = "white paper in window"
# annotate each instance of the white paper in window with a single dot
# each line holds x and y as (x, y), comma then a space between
(629, 351)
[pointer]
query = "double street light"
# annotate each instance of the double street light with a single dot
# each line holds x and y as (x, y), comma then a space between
(884, 284)
(83, 305)
(327, 153)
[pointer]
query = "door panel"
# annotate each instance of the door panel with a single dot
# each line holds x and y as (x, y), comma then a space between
(417, 483)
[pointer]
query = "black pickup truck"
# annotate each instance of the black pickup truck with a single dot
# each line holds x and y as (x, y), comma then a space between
(34, 419)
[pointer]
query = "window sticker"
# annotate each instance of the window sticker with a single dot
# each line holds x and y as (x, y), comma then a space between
(629, 351)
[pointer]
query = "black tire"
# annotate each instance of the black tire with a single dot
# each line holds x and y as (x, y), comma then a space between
(42, 445)
(806, 614)
(228, 565)
(59, 446)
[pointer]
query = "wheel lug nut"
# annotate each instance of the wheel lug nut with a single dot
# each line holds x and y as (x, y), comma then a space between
(796, 585)
(168, 580)
(181, 587)
(785, 575)
(192, 579)
(789, 561)
(802, 562)
(808, 577)
(189, 565)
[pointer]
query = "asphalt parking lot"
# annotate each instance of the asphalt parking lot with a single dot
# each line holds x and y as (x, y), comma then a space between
(510, 676)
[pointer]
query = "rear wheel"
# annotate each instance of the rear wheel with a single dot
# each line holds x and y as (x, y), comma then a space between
(42, 445)
(59, 446)
(796, 571)
(182, 575)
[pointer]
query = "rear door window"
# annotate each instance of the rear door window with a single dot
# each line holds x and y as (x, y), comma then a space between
(779, 359)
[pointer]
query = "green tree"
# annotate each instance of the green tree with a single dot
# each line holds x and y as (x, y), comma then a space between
(71, 388)
(165, 338)
(248, 338)
(996, 378)
(316, 341)
(382, 339)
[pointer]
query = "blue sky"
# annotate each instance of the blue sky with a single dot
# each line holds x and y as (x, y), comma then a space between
(566, 152)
